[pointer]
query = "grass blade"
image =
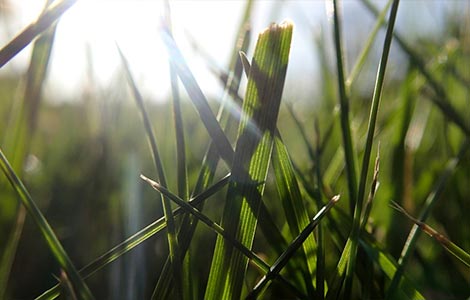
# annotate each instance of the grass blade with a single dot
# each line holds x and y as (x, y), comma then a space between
(18, 139)
(199, 100)
(354, 236)
(344, 106)
(55, 246)
(442, 99)
(388, 265)
(367, 46)
(296, 243)
(292, 202)
(429, 204)
(253, 152)
(33, 30)
(441, 239)
(175, 256)
(136, 239)
(210, 160)
(217, 228)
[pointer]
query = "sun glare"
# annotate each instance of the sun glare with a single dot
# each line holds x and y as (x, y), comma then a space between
(134, 26)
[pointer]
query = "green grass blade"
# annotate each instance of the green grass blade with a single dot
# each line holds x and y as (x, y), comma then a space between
(199, 100)
(442, 99)
(181, 172)
(440, 238)
(388, 265)
(294, 246)
(175, 256)
(33, 30)
(292, 202)
(211, 158)
(354, 236)
(18, 139)
(428, 205)
(136, 239)
(344, 106)
(367, 46)
(253, 152)
(218, 229)
(55, 246)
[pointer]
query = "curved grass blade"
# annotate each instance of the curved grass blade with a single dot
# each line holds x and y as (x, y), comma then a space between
(354, 236)
(175, 256)
(441, 239)
(218, 229)
(428, 205)
(296, 244)
(199, 100)
(344, 106)
(136, 239)
(253, 152)
(52, 241)
(33, 30)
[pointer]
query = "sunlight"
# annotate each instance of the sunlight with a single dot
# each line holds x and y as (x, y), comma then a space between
(134, 26)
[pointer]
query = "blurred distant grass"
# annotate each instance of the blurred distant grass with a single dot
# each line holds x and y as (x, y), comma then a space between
(80, 162)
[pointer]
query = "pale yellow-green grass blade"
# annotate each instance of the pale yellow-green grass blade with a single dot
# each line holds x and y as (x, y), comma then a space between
(175, 256)
(253, 151)
(34, 29)
(48, 234)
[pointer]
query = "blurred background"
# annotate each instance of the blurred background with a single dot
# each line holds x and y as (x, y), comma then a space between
(85, 145)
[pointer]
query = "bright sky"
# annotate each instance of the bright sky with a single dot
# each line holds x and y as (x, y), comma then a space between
(134, 26)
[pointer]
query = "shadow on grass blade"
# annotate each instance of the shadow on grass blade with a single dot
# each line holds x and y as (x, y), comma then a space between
(252, 156)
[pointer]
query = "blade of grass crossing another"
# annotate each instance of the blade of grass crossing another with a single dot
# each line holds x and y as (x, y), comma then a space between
(426, 210)
(136, 239)
(292, 202)
(218, 229)
(441, 239)
(52, 241)
(207, 171)
(296, 243)
(199, 100)
(252, 156)
(175, 256)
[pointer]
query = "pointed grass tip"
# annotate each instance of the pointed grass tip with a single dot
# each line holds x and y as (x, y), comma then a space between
(152, 183)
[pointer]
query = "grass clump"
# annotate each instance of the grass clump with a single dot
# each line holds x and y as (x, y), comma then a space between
(272, 226)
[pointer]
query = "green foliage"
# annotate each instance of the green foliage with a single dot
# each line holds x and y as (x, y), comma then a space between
(270, 228)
